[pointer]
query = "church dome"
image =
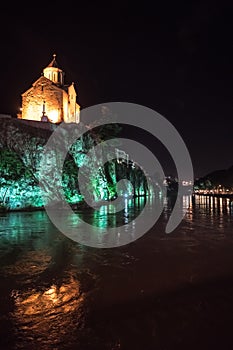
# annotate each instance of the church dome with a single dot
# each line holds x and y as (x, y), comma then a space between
(53, 63)
(53, 72)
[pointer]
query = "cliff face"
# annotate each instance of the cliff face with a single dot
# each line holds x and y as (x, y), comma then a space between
(21, 148)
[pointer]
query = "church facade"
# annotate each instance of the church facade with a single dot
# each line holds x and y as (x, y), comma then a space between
(49, 99)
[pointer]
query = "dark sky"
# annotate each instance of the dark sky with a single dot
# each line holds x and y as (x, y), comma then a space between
(174, 58)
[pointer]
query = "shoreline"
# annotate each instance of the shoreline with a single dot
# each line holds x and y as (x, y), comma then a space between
(76, 206)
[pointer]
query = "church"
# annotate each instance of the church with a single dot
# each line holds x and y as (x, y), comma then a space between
(49, 99)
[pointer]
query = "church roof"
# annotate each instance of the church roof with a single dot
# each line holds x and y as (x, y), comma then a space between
(53, 63)
(43, 80)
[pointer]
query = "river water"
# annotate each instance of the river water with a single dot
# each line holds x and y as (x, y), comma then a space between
(162, 291)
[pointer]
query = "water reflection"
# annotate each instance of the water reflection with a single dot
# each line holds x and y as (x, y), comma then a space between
(44, 315)
(49, 283)
(45, 277)
(106, 226)
(219, 204)
(215, 212)
(108, 216)
(214, 205)
(202, 211)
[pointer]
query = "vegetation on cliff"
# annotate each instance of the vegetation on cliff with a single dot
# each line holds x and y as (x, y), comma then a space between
(21, 148)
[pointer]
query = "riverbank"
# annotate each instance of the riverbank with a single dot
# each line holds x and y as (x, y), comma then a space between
(77, 206)
(216, 195)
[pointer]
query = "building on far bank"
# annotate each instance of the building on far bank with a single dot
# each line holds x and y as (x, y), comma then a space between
(49, 99)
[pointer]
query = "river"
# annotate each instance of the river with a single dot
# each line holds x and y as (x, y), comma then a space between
(162, 291)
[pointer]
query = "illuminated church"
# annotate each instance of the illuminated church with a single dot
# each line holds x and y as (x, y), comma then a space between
(49, 99)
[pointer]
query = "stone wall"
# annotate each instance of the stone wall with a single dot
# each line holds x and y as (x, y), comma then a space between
(33, 100)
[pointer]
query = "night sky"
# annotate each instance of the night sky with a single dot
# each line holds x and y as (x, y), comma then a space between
(174, 58)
